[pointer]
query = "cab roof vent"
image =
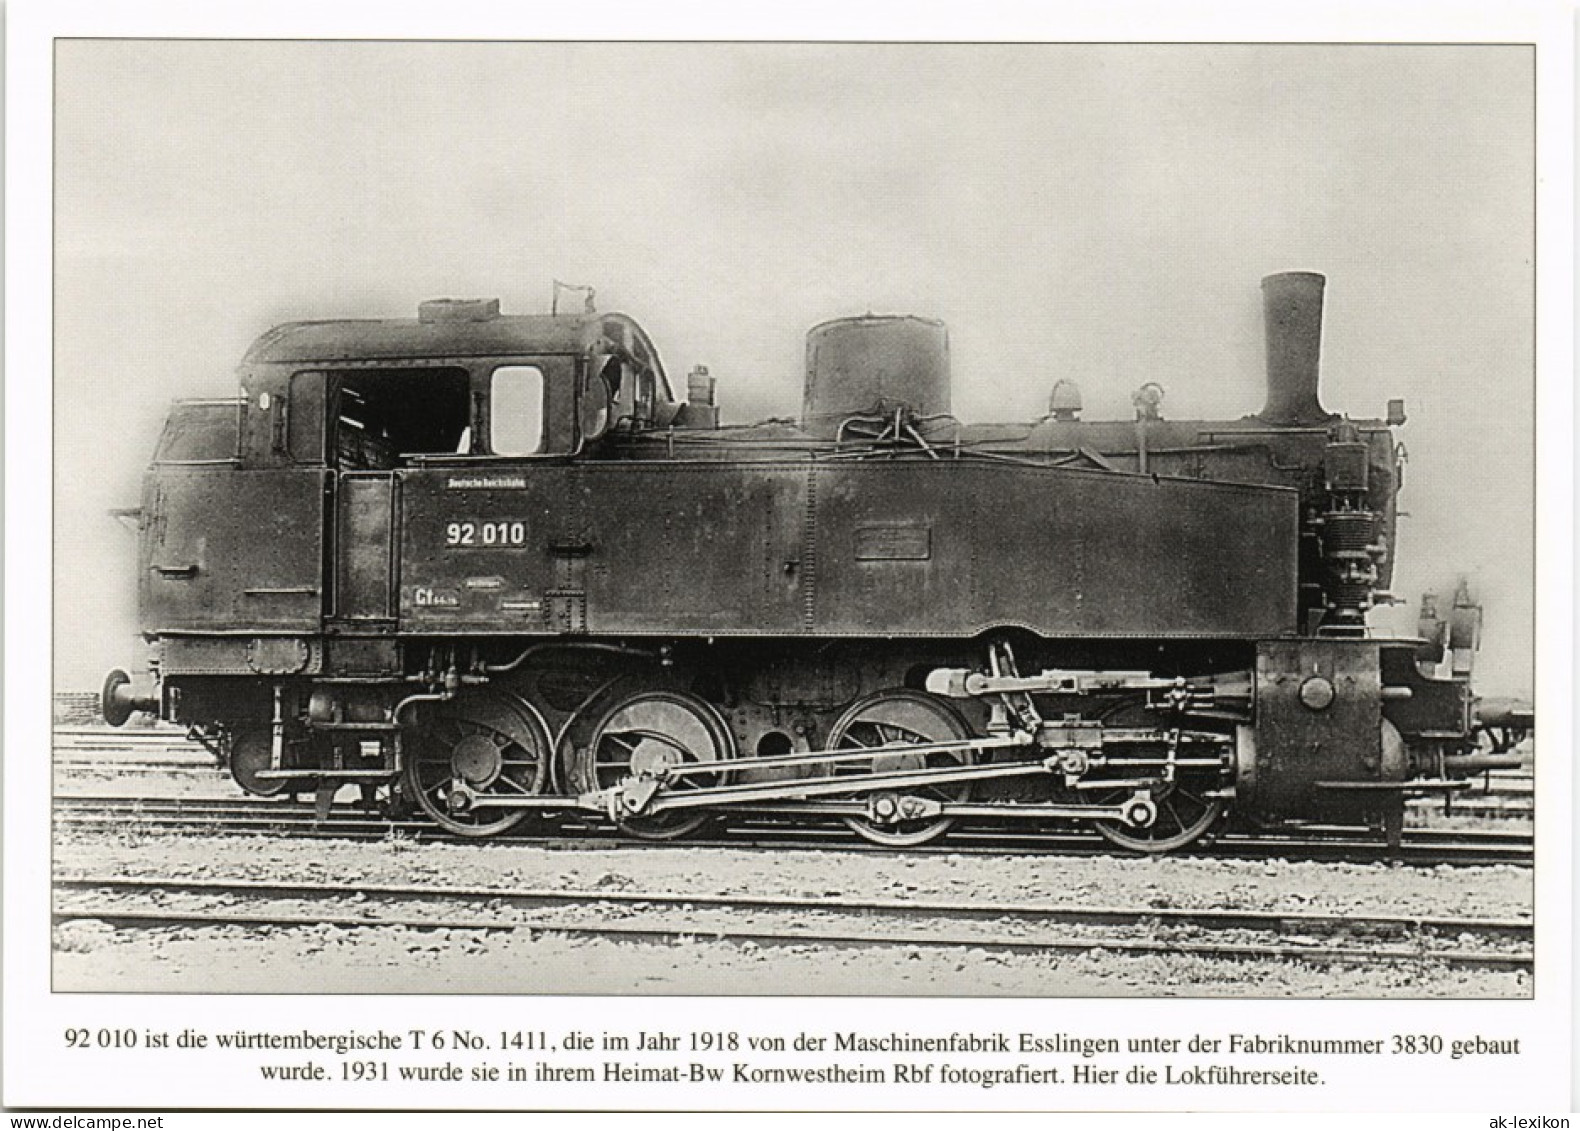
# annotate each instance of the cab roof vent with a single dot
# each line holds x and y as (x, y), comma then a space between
(458, 310)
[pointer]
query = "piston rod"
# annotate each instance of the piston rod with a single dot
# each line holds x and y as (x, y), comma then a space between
(817, 758)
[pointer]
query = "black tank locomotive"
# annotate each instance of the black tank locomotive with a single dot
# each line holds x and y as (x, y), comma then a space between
(490, 567)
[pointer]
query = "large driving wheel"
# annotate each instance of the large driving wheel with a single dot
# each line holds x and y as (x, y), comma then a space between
(494, 745)
(1185, 815)
(892, 720)
(646, 731)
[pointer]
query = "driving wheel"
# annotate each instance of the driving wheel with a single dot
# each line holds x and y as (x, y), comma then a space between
(647, 732)
(888, 722)
(1185, 814)
(493, 745)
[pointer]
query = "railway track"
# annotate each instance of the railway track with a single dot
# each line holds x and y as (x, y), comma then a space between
(663, 917)
(272, 817)
(167, 738)
(156, 751)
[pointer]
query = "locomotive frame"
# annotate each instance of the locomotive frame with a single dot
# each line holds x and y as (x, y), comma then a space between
(491, 566)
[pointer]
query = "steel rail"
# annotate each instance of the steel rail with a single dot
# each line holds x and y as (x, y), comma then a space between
(936, 916)
(202, 769)
(1212, 918)
(762, 828)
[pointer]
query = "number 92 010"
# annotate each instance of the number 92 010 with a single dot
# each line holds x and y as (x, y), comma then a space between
(468, 534)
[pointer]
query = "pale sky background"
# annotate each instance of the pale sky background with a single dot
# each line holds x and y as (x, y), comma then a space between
(1099, 213)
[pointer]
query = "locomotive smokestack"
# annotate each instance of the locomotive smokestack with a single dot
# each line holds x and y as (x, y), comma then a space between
(1293, 308)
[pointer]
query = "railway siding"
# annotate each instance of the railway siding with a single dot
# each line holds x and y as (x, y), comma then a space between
(996, 879)
(517, 917)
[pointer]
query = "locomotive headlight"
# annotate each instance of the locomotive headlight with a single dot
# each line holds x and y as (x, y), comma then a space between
(1317, 693)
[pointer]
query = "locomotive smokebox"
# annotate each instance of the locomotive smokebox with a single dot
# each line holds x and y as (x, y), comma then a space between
(1293, 308)
(873, 365)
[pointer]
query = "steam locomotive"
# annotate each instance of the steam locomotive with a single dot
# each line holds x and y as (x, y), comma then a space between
(490, 567)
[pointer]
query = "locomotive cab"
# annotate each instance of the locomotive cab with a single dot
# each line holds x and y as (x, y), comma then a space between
(269, 540)
(460, 380)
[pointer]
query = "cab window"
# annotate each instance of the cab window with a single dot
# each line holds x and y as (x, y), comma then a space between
(516, 417)
(380, 416)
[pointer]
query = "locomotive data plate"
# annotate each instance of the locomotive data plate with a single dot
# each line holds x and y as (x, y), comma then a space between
(469, 534)
(894, 542)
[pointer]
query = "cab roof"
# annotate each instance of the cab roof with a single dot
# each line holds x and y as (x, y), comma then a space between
(496, 335)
